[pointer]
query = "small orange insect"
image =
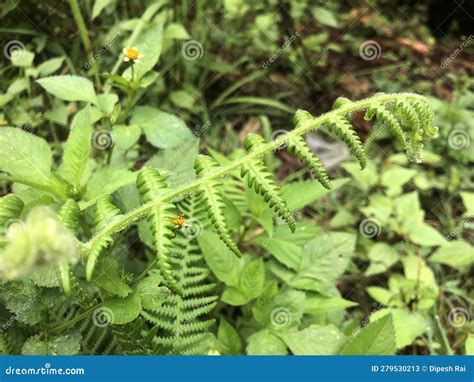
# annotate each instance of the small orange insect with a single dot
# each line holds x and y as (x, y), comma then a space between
(178, 221)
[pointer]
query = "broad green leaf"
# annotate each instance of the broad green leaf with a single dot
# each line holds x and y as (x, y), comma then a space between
(162, 130)
(229, 342)
(152, 294)
(66, 344)
(106, 102)
(123, 310)
(107, 180)
(379, 207)
(380, 294)
(234, 296)
(408, 325)
(316, 303)
(265, 343)
(69, 88)
(223, 263)
(366, 178)
(468, 201)
(50, 66)
(382, 256)
(314, 340)
(78, 147)
(99, 5)
(126, 136)
(377, 338)
(325, 258)
(149, 44)
(176, 31)
(183, 99)
(252, 278)
(423, 234)
(457, 254)
(107, 276)
(23, 59)
(325, 16)
(26, 157)
(394, 178)
(23, 301)
(300, 194)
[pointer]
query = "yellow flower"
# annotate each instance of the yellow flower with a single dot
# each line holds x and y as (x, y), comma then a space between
(132, 54)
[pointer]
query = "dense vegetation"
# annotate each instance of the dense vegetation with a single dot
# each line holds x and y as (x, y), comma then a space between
(235, 177)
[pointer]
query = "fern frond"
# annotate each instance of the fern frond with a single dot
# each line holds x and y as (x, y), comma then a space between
(104, 212)
(298, 146)
(180, 323)
(151, 185)
(68, 214)
(211, 192)
(342, 127)
(262, 181)
(387, 118)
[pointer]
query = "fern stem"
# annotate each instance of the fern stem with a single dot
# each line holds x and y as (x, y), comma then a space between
(144, 209)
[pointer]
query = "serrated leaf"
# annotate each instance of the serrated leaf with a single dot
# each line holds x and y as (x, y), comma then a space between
(152, 294)
(252, 278)
(265, 343)
(457, 254)
(69, 88)
(123, 310)
(229, 342)
(377, 338)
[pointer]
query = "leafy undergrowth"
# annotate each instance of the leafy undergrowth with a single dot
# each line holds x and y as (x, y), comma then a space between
(124, 231)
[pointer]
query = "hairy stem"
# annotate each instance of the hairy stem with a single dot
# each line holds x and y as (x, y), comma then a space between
(143, 210)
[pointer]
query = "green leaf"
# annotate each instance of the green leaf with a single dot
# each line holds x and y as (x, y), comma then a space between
(316, 303)
(176, 31)
(153, 295)
(468, 201)
(99, 5)
(66, 344)
(162, 130)
(408, 325)
(149, 44)
(325, 258)
(26, 157)
(314, 340)
(107, 180)
(106, 102)
(126, 136)
(265, 343)
(229, 342)
(222, 261)
(300, 194)
(23, 59)
(382, 256)
(457, 254)
(366, 178)
(69, 88)
(325, 16)
(107, 276)
(234, 296)
(423, 234)
(469, 345)
(377, 338)
(78, 147)
(394, 178)
(50, 66)
(123, 310)
(252, 278)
